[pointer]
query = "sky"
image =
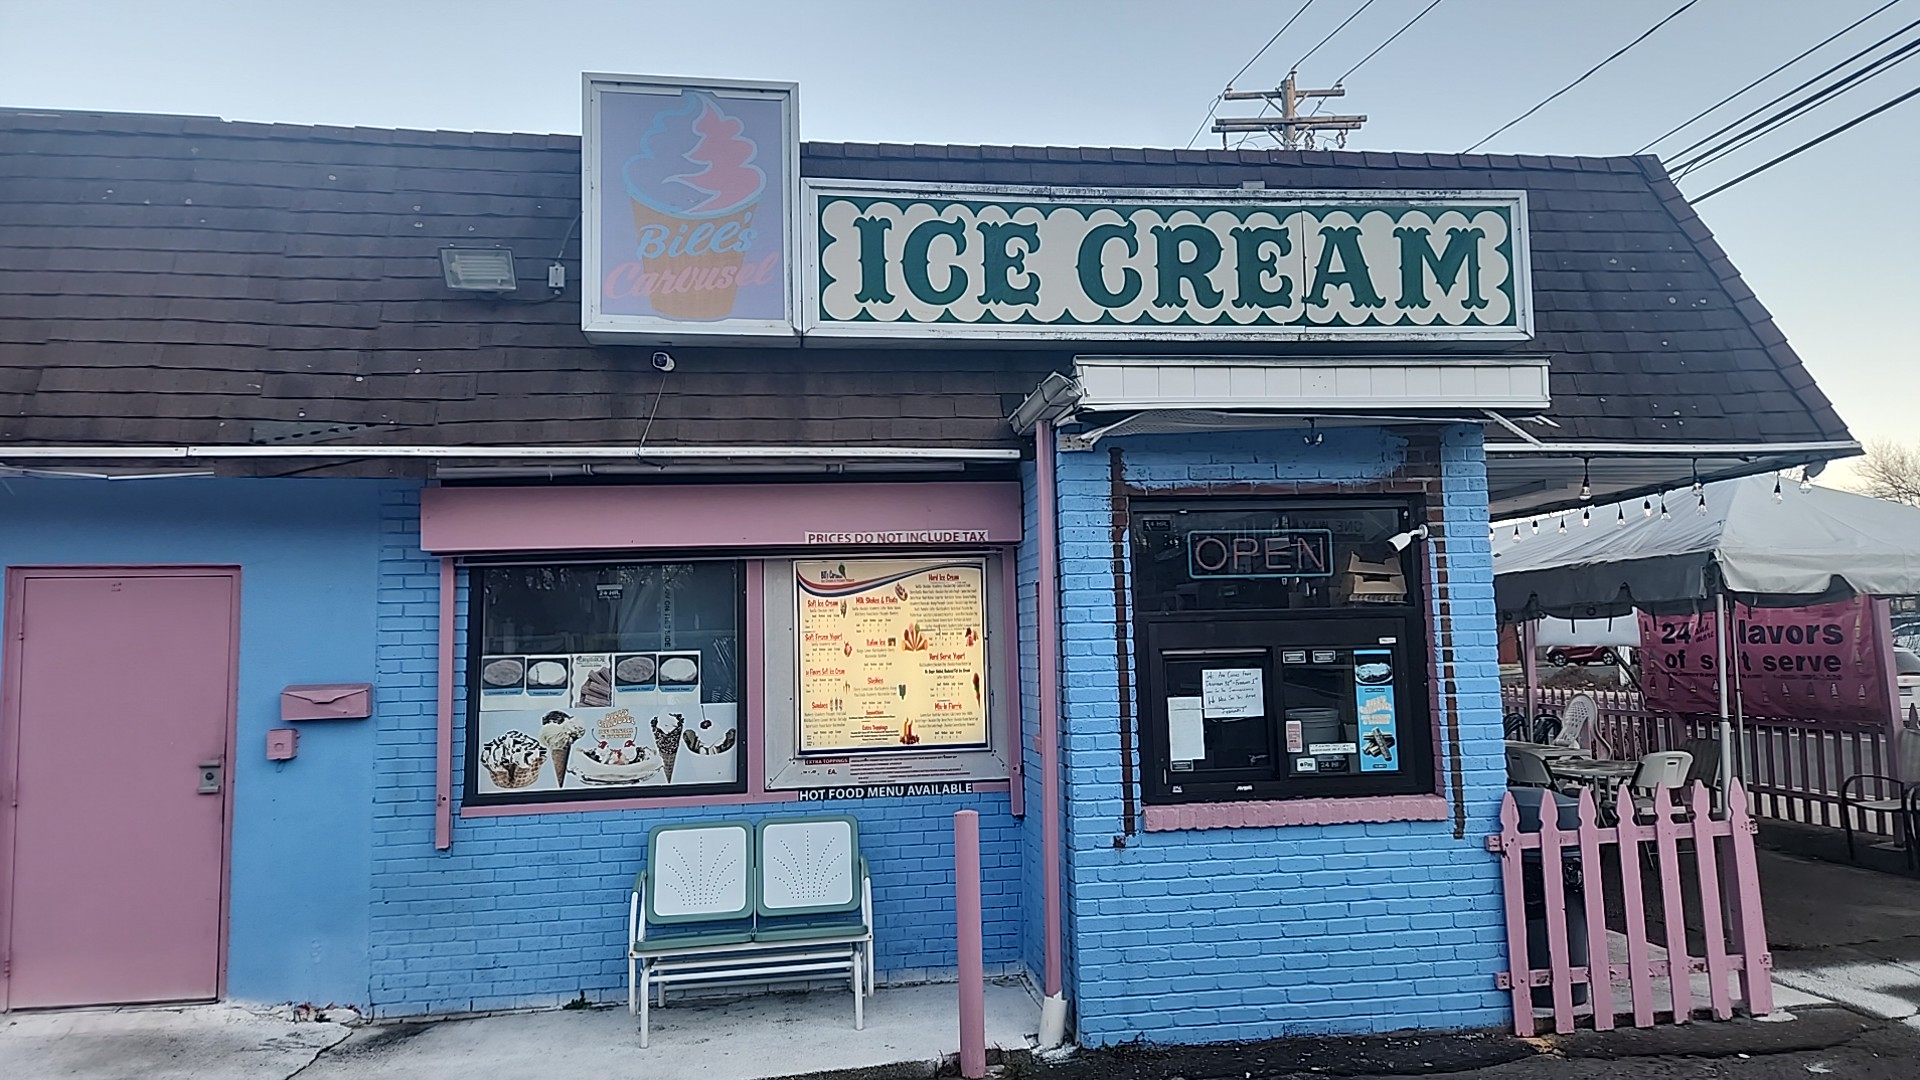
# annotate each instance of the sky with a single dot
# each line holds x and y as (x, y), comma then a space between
(1826, 240)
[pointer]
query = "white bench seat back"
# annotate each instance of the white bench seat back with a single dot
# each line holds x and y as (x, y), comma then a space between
(809, 866)
(700, 872)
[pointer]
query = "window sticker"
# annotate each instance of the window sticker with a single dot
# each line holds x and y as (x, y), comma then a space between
(1374, 703)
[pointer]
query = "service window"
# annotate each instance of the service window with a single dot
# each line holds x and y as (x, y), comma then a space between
(596, 680)
(1282, 649)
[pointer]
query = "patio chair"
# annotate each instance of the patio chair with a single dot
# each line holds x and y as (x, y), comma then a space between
(1706, 762)
(1526, 769)
(1888, 796)
(814, 887)
(1660, 771)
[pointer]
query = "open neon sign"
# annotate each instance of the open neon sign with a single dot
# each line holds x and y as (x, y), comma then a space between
(1260, 553)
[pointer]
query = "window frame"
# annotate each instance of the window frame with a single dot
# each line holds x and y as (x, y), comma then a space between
(746, 646)
(1226, 631)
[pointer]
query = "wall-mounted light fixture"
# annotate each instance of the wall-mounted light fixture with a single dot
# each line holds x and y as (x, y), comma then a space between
(478, 269)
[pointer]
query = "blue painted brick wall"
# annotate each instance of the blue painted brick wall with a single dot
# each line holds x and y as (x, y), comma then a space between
(531, 910)
(1209, 935)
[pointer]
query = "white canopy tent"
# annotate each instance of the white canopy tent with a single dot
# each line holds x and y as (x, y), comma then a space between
(1758, 540)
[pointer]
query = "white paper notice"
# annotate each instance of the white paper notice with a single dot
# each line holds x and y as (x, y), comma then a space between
(1186, 733)
(1226, 693)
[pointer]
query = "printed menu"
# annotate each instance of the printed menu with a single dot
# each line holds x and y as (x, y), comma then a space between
(892, 655)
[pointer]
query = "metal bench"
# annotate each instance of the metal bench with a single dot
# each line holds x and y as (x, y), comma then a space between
(725, 902)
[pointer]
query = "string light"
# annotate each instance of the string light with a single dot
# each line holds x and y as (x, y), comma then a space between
(1620, 522)
(1777, 496)
(1516, 534)
(1586, 517)
(1586, 478)
(1806, 479)
(1563, 524)
(1535, 526)
(1646, 507)
(1664, 516)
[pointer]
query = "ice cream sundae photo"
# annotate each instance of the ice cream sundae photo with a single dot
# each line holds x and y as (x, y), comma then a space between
(616, 753)
(513, 760)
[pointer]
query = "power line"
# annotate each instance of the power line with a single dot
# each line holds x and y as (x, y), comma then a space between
(1391, 38)
(1808, 145)
(1404, 29)
(1785, 94)
(1804, 105)
(1809, 52)
(1343, 25)
(1217, 98)
(1622, 51)
(1269, 44)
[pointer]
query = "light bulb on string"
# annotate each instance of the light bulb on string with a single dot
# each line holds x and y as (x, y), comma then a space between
(1535, 526)
(1777, 496)
(1586, 517)
(1620, 522)
(1516, 534)
(1806, 479)
(1563, 524)
(1586, 479)
(1701, 509)
(1664, 516)
(1646, 507)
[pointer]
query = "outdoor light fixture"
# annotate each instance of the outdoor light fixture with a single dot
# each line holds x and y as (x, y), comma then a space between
(1399, 541)
(1586, 479)
(478, 269)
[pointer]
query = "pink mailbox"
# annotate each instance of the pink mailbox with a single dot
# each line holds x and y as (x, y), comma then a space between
(327, 701)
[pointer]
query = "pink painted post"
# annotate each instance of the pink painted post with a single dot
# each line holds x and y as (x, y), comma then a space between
(1599, 962)
(443, 716)
(1666, 845)
(1703, 840)
(1751, 929)
(966, 916)
(1634, 900)
(1047, 635)
(1519, 969)
(1559, 958)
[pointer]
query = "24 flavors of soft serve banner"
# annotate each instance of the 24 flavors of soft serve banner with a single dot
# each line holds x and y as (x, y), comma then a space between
(698, 226)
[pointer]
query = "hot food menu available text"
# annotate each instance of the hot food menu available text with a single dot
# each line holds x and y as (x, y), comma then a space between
(892, 655)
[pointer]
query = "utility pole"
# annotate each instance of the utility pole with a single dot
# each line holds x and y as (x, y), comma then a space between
(1289, 127)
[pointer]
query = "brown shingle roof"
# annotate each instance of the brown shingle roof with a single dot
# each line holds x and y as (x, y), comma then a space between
(170, 280)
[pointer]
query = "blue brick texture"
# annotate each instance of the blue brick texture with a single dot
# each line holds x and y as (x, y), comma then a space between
(531, 910)
(1226, 934)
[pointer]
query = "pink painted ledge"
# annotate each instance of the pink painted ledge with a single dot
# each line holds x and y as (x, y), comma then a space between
(980, 787)
(1254, 815)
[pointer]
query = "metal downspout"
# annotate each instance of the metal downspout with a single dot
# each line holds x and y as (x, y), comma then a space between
(1053, 1010)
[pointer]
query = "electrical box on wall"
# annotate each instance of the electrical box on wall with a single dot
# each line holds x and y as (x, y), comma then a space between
(283, 743)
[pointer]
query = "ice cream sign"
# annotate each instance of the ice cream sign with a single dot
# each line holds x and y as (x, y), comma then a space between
(952, 261)
(689, 209)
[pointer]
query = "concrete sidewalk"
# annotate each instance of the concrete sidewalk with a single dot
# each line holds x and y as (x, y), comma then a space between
(747, 1038)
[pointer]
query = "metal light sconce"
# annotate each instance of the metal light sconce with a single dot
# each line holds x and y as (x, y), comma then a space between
(488, 270)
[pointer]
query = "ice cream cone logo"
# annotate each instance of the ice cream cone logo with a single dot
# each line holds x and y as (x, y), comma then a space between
(694, 189)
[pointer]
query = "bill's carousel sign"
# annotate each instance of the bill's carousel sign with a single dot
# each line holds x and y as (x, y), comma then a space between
(699, 227)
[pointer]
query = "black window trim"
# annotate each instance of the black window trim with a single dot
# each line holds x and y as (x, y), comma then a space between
(1412, 620)
(746, 644)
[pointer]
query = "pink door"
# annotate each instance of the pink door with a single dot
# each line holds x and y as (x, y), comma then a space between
(119, 686)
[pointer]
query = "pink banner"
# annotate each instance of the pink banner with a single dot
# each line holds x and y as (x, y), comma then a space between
(1823, 664)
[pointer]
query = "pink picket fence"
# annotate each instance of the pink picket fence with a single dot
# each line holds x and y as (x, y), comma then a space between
(1793, 769)
(1671, 841)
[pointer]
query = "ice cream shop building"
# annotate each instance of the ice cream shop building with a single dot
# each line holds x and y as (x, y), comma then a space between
(398, 526)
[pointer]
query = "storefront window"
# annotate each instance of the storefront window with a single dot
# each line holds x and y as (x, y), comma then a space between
(1282, 650)
(605, 679)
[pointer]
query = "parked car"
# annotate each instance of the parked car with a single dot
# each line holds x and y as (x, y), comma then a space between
(1906, 670)
(1581, 655)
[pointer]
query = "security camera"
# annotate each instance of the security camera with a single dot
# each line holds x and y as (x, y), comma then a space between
(1399, 541)
(663, 361)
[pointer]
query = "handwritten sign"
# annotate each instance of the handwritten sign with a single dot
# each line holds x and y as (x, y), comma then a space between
(1230, 693)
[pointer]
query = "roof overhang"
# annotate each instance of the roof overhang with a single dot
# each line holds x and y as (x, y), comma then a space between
(1528, 471)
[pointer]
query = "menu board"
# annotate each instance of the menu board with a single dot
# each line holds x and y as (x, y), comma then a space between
(892, 655)
(598, 721)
